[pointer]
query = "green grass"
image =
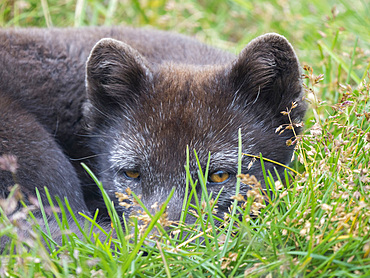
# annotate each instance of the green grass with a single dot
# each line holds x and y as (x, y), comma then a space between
(317, 226)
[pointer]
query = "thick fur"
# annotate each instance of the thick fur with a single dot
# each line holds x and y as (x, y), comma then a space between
(41, 163)
(149, 95)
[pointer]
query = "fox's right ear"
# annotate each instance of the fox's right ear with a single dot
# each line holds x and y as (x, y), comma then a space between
(116, 75)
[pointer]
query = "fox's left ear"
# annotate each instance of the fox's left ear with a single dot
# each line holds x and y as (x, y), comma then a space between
(267, 76)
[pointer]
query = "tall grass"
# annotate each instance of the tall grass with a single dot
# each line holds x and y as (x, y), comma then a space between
(317, 225)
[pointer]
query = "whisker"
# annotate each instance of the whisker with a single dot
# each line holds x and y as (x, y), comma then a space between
(94, 136)
(87, 157)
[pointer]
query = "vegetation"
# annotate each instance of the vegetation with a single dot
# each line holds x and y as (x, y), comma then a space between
(316, 226)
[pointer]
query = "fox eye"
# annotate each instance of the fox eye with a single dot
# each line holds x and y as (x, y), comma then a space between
(133, 175)
(218, 177)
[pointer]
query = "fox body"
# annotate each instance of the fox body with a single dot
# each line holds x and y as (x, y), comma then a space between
(129, 101)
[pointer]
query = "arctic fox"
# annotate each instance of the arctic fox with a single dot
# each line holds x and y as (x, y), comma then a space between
(129, 101)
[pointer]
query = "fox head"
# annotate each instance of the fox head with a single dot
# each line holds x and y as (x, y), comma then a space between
(143, 115)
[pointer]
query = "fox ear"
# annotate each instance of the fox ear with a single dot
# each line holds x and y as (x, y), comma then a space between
(266, 76)
(116, 75)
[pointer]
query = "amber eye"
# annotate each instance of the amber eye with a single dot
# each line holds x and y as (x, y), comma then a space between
(218, 176)
(132, 174)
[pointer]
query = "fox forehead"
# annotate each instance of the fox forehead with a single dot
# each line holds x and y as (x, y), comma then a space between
(186, 99)
(192, 107)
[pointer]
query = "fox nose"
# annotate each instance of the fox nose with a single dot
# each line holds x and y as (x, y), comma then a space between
(173, 209)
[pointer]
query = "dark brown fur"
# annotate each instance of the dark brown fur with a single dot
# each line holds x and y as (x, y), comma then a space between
(149, 95)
